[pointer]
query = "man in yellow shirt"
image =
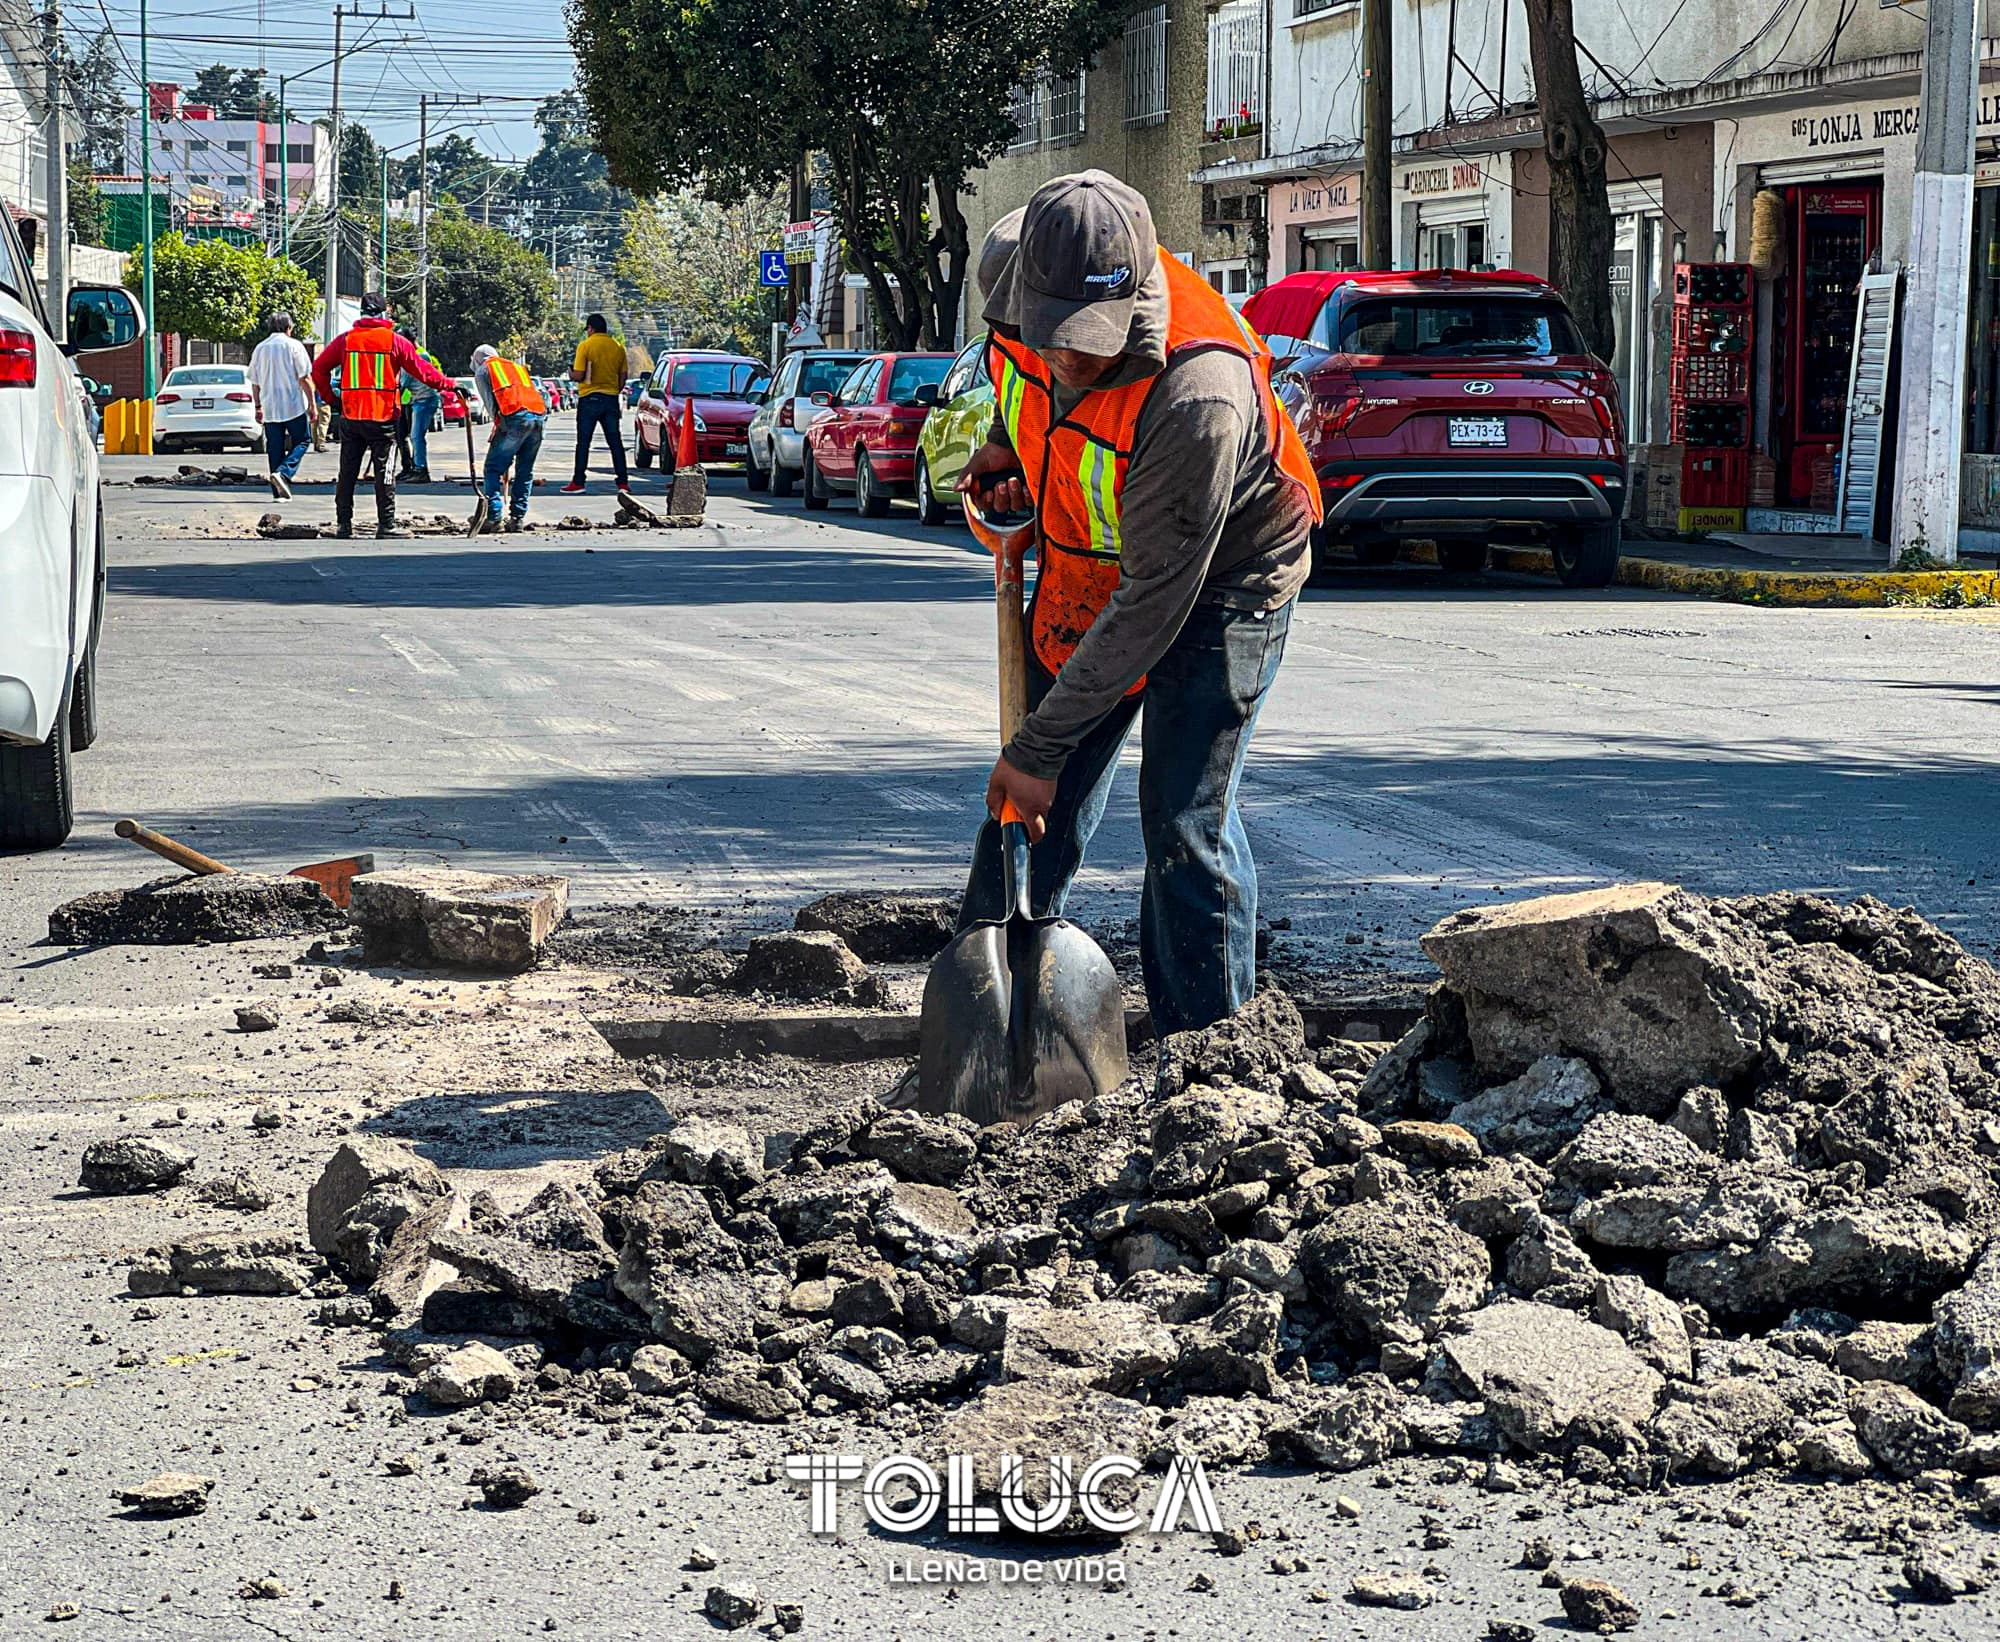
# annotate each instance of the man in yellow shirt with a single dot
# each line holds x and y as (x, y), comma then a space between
(599, 373)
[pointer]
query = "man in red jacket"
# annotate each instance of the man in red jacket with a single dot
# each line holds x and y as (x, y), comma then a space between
(370, 359)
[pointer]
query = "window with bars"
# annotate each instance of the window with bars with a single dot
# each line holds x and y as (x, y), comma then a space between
(1236, 68)
(1146, 66)
(1025, 111)
(1312, 8)
(1050, 109)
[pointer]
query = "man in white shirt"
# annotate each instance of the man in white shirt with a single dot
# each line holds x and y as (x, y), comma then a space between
(281, 385)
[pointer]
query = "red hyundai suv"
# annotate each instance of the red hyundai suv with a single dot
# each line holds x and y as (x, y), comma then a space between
(1459, 407)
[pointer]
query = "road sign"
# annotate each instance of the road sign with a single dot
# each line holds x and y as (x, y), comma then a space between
(771, 269)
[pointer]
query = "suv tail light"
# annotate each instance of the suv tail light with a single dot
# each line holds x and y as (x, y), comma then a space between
(1344, 411)
(785, 414)
(17, 359)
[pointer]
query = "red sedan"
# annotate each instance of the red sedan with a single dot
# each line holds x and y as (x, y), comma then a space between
(723, 387)
(452, 403)
(869, 444)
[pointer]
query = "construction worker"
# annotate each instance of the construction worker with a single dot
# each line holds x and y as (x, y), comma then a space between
(369, 358)
(420, 409)
(518, 414)
(1174, 504)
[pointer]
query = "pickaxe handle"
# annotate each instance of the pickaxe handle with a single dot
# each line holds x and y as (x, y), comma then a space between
(181, 856)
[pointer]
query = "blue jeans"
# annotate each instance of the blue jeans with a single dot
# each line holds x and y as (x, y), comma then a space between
(285, 445)
(517, 441)
(422, 408)
(599, 410)
(1198, 913)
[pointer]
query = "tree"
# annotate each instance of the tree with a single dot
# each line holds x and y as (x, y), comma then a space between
(904, 101)
(220, 292)
(1580, 227)
(96, 92)
(566, 184)
(89, 219)
(360, 166)
(486, 286)
(234, 93)
(697, 261)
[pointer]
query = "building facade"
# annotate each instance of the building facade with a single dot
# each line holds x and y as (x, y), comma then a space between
(239, 169)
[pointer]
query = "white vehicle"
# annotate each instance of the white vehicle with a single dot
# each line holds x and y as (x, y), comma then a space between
(475, 407)
(51, 544)
(206, 407)
(778, 428)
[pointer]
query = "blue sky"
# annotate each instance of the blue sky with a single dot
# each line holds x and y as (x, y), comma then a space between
(510, 51)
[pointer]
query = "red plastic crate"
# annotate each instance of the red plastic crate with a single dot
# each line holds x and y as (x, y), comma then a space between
(1710, 376)
(1709, 424)
(1716, 284)
(1714, 478)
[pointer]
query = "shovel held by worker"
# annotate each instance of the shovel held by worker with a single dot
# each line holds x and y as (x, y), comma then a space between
(482, 509)
(1020, 1013)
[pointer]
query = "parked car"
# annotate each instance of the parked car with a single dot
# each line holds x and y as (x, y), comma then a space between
(470, 404)
(206, 407)
(723, 388)
(451, 405)
(869, 444)
(777, 436)
(955, 428)
(1456, 406)
(52, 564)
(634, 386)
(555, 392)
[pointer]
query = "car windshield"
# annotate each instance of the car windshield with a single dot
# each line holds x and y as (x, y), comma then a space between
(825, 373)
(1458, 327)
(207, 376)
(715, 379)
(912, 374)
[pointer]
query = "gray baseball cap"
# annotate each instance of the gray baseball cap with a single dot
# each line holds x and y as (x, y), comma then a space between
(1087, 244)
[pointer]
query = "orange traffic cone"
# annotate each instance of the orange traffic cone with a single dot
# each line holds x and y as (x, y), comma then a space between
(685, 455)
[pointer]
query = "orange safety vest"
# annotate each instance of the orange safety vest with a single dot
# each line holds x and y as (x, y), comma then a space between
(1076, 469)
(513, 388)
(369, 390)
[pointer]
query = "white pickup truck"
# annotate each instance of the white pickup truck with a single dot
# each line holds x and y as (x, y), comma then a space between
(52, 563)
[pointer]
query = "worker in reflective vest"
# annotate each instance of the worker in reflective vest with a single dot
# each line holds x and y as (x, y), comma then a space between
(518, 413)
(1175, 505)
(369, 359)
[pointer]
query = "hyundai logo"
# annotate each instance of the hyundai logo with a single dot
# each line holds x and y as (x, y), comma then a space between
(1479, 387)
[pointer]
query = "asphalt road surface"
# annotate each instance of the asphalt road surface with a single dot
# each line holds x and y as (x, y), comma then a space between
(736, 719)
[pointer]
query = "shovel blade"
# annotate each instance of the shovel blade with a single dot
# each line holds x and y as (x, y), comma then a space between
(1018, 1018)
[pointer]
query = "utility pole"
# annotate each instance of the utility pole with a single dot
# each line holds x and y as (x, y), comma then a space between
(150, 353)
(384, 191)
(1937, 283)
(285, 178)
(424, 219)
(1377, 99)
(332, 287)
(57, 268)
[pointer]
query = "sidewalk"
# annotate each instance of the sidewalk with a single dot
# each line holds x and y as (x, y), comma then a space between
(1775, 570)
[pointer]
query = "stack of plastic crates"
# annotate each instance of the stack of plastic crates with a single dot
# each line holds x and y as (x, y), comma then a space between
(1709, 383)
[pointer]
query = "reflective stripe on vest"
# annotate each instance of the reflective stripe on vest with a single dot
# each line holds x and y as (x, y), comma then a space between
(368, 386)
(513, 388)
(1076, 466)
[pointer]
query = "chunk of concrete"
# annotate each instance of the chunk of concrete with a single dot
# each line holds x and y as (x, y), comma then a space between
(474, 1373)
(132, 1163)
(811, 966)
(881, 928)
(1536, 1113)
(178, 911)
(1967, 1343)
(1393, 1270)
(1637, 979)
(1904, 1433)
(1111, 1346)
(368, 1189)
(1552, 1378)
(467, 920)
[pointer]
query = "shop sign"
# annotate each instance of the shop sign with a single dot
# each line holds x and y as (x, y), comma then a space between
(1846, 127)
(1315, 199)
(1461, 177)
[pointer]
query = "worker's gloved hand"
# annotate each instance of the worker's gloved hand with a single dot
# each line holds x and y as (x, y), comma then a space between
(992, 477)
(1032, 796)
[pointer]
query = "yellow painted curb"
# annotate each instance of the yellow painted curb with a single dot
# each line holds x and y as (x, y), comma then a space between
(1855, 589)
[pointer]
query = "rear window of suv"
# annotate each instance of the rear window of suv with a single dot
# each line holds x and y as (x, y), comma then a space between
(1457, 327)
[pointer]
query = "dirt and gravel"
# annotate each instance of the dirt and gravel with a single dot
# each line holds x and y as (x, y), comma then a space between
(1646, 1282)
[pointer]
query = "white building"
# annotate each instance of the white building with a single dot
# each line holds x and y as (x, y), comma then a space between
(23, 138)
(237, 162)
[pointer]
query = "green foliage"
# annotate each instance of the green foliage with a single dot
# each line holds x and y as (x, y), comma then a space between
(566, 184)
(486, 286)
(234, 93)
(904, 101)
(1918, 557)
(220, 292)
(695, 263)
(89, 217)
(360, 166)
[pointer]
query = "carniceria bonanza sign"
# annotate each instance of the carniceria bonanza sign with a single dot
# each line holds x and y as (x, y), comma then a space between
(905, 1495)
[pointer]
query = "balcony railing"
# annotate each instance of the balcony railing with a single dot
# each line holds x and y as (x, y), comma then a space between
(1236, 69)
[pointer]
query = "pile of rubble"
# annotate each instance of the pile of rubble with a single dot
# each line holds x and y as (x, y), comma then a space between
(1660, 1187)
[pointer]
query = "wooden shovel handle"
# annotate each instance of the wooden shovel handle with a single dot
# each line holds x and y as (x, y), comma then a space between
(1009, 546)
(160, 844)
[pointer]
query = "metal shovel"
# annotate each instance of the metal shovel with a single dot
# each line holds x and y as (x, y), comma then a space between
(1022, 1013)
(482, 509)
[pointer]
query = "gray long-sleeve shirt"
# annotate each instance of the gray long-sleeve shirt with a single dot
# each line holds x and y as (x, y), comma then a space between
(1205, 517)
